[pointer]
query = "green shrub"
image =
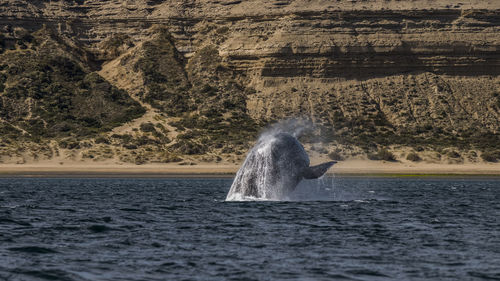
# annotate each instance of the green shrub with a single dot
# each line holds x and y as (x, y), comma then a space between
(147, 127)
(140, 160)
(382, 154)
(412, 156)
(161, 127)
(208, 90)
(184, 146)
(491, 156)
(335, 156)
(112, 44)
(126, 138)
(102, 140)
(453, 154)
(157, 134)
(69, 144)
(143, 140)
(130, 146)
(68, 98)
(170, 157)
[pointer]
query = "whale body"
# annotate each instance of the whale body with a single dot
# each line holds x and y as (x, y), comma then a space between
(273, 169)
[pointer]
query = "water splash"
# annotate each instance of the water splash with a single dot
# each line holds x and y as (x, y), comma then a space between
(258, 178)
(321, 189)
(294, 127)
(275, 165)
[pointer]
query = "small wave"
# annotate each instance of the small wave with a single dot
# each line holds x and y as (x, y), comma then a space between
(7, 221)
(485, 276)
(65, 228)
(33, 249)
(251, 198)
(366, 272)
(50, 274)
(169, 208)
(97, 228)
(238, 197)
(168, 266)
(156, 245)
(130, 210)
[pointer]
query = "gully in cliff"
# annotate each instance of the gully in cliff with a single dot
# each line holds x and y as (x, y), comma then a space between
(273, 168)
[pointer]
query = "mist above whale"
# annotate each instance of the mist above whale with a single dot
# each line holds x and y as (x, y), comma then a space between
(273, 168)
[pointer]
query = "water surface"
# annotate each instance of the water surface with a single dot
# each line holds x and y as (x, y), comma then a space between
(181, 229)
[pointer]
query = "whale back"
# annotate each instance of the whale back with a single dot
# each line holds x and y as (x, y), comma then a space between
(272, 169)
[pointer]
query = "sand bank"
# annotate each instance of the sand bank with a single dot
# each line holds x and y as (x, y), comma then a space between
(350, 167)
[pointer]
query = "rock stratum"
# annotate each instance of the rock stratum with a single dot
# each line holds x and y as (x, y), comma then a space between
(188, 81)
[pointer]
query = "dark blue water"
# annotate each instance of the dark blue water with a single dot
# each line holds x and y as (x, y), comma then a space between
(180, 229)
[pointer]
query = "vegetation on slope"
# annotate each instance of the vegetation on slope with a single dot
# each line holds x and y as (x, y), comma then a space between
(208, 102)
(414, 110)
(46, 92)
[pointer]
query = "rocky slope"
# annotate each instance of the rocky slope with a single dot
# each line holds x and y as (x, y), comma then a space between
(369, 74)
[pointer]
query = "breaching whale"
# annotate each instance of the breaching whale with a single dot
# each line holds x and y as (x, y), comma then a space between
(273, 168)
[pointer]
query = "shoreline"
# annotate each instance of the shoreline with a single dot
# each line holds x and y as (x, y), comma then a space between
(350, 168)
(49, 175)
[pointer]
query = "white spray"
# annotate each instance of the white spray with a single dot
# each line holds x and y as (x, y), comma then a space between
(267, 176)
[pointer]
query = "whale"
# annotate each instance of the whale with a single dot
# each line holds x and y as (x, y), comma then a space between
(273, 168)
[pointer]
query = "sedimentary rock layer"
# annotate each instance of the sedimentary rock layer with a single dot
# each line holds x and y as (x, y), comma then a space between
(380, 72)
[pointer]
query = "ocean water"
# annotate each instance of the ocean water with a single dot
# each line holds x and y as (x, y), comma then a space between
(181, 229)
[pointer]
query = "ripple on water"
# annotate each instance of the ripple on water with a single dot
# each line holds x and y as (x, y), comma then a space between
(11, 221)
(46, 274)
(176, 229)
(97, 228)
(33, 249)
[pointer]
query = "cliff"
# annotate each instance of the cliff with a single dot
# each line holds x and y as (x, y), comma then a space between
(210, 74)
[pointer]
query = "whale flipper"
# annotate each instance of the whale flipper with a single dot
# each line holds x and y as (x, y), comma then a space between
(317, 171)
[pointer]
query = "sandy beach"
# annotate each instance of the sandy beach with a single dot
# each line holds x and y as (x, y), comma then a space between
(343, 168)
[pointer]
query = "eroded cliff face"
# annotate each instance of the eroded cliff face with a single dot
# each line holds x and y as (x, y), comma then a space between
(368, 73)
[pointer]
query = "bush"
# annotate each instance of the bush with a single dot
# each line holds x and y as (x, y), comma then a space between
(113, 45)
(490, 156)
(453, 154)
(130, 146)
(382, 154)
(140, 160)
(412, 156)
(161, 127)
(148, 127)
(126, 138)
(102, 140)
(335, 156)
(143, 140)
(168, 158)
(68, 98)
(69, 144)
(188, 147)
(386, 155)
